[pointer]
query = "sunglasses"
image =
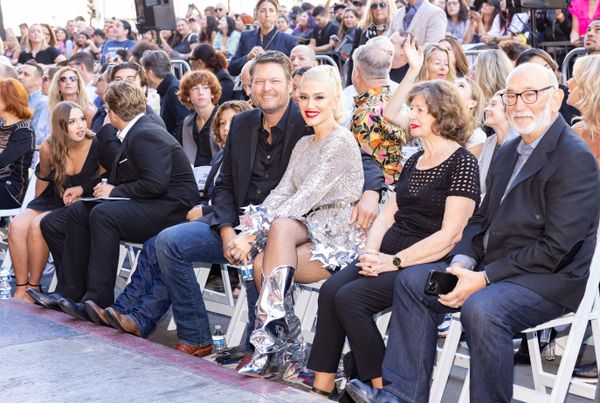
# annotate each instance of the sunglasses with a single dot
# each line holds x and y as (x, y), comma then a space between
(218, 9)
(70, 78)
(381, 5)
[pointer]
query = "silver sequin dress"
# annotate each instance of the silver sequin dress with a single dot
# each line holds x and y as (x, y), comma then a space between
(322, 182)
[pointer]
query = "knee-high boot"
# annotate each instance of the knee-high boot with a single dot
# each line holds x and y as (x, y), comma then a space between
(279, 348)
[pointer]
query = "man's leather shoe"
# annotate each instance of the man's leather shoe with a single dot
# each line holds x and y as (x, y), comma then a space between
(74, 309)
(122, 322)
(96, 314)
(586, 373)
(48, 301)
(194, 350)
(363, 393)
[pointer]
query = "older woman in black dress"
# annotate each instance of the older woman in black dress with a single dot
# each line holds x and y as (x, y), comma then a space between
(436, 194)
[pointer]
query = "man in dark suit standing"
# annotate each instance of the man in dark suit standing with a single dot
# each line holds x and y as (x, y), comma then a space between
(523, 259)
(256, 154)
(152, 172)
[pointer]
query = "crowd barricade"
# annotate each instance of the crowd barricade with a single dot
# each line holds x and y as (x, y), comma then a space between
(179, 68)
(567, 64)
(561, 383)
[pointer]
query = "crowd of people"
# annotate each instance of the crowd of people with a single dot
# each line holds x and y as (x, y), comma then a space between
(400, 159)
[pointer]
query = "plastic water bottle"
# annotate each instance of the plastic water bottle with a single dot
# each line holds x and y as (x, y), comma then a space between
(218, 338)
(247, 271)
(5, 289)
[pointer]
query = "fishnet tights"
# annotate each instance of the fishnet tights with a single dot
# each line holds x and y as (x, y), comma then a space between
(288, 245)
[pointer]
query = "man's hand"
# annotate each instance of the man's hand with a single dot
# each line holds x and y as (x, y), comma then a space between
(255, 51)
(469, 282)
(194, 214)
(227, 235)
(373, 263)
(366, 210)
(72, 194)
(103, 190)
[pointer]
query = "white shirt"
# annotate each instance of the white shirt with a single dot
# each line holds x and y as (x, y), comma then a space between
(121, 134)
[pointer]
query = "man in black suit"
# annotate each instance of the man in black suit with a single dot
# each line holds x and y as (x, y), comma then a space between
(158, 72)
(523, 259)
(153, 173)
(256, 154)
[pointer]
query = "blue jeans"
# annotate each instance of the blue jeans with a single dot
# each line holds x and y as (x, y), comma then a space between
(145, 298)
(177, 248)
(490, 318)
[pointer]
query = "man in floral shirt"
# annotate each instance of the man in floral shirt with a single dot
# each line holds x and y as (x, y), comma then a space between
(375, 135)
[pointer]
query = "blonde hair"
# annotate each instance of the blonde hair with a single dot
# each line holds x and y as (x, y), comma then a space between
(477, 96)
(331, 75)
(54, 95)
(367, 19)
(587, 70)
(125, 99)
(427, 52)
(28, 46)
(491, 71)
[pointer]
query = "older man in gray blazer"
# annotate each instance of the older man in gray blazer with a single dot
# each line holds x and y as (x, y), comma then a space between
(422, 19)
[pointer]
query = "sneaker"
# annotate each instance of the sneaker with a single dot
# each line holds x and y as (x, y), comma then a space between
(444, 327)
(587, 373)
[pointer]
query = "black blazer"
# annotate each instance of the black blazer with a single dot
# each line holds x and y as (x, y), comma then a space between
(542, 236)
(233, 182)
(249, 39)
(152, 169)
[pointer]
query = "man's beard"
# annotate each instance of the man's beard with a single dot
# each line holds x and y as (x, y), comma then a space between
(543, 121)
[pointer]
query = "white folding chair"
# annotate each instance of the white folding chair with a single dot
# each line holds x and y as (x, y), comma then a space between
(561, 383)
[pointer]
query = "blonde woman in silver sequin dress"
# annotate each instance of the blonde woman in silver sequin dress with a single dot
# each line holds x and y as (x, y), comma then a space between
(309, 236)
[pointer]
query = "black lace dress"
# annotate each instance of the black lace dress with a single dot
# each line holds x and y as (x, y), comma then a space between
(87, 177)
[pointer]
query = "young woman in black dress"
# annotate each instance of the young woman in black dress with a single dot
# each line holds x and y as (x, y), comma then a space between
(68, 169)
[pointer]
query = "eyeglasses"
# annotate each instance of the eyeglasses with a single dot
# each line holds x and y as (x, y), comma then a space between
(381, 5)
(218, 9)
(70, 78)
(528, 97)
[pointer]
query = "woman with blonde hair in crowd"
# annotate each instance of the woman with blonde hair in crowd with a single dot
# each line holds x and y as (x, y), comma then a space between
(37, 48)
(584, 94)
(67, 170)
(436, 64)
(67, 85)
(458, 58)
(303, 224)
(491, 70)
(12, 49)
(473, 98)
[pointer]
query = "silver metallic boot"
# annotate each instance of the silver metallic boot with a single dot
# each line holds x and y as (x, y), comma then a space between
(277, 340)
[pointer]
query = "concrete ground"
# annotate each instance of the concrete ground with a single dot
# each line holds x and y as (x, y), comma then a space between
(48, 356)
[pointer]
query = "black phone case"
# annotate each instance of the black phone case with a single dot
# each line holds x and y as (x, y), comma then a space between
(440, 282)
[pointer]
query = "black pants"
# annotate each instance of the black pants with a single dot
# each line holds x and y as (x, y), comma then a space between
(54, 228)
(6, 200)
(347, 303)
(90, 253)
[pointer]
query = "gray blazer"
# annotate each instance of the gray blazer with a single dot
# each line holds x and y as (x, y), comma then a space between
(428, 25)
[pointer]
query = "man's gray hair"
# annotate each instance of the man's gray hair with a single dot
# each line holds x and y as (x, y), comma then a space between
(157, 61)
(374, 58)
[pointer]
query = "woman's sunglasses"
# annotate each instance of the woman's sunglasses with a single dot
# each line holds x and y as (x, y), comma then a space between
(70, 78)
(381, 5)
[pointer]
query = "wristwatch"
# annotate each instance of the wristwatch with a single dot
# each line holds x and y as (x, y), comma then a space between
(397, 262)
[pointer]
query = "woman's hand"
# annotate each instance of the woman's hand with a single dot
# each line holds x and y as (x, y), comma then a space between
(194, 214)
(414, 54)
(373, 263)
(241, 246)
(72, 195)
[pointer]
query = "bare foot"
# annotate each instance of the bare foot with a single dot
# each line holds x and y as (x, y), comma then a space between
(21, 294)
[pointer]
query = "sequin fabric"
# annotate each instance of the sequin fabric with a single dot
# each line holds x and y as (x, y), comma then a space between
(322, 182)
(377, 136)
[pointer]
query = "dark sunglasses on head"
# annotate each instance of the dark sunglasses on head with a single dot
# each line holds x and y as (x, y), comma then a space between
(381, 5)
(70, 78)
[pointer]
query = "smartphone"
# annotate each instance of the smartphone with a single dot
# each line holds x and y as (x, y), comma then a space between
(440, 282)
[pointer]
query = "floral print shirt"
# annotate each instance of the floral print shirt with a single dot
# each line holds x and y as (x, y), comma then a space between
(377, 136)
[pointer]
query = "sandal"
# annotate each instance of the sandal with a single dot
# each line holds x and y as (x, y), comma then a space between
(38, 286)
(329, 395)
(22, 285)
